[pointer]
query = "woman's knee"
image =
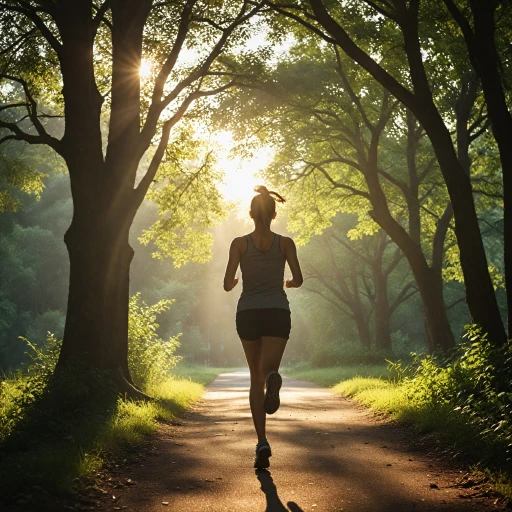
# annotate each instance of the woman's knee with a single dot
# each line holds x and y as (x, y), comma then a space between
(257, 378)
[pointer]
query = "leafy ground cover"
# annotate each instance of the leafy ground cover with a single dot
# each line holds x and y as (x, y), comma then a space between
(51, 450)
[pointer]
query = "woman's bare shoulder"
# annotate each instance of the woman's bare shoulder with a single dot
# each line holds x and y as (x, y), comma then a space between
(240, 243)
(287, 241)
(238, 240)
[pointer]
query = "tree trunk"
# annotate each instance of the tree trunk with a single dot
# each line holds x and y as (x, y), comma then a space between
(430, 286)
(96, 330)
(485, 59)
(363, 326)
(382, 312)
(437, 327)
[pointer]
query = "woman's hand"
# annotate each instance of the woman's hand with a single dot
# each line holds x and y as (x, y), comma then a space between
(235, 282)
(290, 283)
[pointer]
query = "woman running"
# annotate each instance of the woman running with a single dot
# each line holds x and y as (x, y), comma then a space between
(263, 313)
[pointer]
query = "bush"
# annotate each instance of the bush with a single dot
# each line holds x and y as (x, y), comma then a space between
(150, 358)
(473, 381)
(19, 393)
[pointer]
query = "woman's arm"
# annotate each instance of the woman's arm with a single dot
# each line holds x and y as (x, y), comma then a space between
(293, 262)
(230, 281)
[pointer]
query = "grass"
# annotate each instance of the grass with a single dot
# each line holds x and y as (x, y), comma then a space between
(331, 376)
(46, 458)
(202, 374)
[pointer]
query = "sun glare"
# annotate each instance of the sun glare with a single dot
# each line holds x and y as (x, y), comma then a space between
(242, 174)
(145, 68)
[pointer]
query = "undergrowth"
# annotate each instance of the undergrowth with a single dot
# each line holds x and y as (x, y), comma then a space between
(55, 431)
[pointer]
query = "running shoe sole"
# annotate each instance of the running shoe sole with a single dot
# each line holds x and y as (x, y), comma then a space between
(271, 402)
(262, 455)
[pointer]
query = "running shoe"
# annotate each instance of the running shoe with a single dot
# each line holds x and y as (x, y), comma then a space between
(263, 453)
(271, 401)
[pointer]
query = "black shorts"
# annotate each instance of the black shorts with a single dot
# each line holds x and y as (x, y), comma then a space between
(252, 324)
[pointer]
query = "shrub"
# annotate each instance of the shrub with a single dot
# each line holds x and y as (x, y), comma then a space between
(150, 360)
(25, 388)
(474, 381)
(149, 357)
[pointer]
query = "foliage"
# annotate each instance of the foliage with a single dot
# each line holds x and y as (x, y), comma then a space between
(189, 203)
(464, 397)
(20, 393)
(474, 382)
(17, 175)
(149, 357)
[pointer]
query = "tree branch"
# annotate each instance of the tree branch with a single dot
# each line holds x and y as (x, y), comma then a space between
(303, 22)
(403, 295)
(335, 184)
(31, 14)
(100, 16)
(145, 182)
(350, 90)
(333, 302)
(157, 103)
(342, 38)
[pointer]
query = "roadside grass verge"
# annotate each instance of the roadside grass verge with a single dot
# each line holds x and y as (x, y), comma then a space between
(53, 448)
(331, 376)
(197, 373)
(58, 429)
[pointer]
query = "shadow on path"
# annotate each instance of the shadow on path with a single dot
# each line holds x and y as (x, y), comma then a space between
(329, 455)
(274, 504)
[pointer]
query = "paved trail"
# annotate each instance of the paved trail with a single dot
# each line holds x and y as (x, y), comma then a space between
(329, 455)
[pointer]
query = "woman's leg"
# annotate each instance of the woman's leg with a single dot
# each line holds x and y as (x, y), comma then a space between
(263, 356)
(272, 350)
(253, 354)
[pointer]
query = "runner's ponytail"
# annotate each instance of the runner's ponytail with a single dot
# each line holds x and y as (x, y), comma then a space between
(263, 205)
(263, 190)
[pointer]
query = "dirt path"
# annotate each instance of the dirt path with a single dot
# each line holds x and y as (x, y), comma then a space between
(329, 455)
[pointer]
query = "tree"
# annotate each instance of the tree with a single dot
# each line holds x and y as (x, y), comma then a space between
(354, 276)
(484, 42)
(93, 52)
(407, 80)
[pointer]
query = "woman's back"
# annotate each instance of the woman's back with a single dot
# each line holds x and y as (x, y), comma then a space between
(263, 277)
